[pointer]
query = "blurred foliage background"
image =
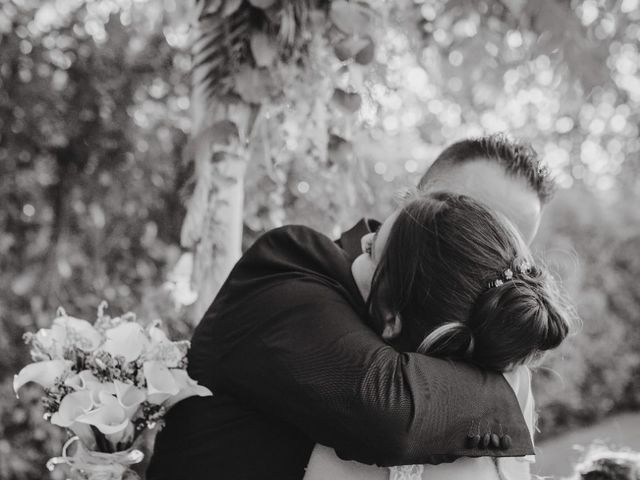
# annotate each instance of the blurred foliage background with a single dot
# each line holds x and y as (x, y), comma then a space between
(95, 103)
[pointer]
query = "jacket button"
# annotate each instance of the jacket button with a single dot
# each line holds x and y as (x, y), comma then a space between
(495, 441)
(486, 440)
(505, 442)
(473, 441)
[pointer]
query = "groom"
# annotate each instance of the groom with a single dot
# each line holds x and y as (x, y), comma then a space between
(281, 387)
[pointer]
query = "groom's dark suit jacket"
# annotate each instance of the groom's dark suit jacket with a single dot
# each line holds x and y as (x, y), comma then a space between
(291, 361)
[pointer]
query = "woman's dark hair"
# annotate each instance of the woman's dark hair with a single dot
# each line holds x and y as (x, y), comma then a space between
(442, 254)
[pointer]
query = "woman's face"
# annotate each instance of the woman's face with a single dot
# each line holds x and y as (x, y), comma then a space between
(373, 244)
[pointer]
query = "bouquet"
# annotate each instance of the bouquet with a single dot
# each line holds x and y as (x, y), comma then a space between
(106, 383)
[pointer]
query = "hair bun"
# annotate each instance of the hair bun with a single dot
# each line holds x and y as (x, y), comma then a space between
(556, 321)
(517, 321)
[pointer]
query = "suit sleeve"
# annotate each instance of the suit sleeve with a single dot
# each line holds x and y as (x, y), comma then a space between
(314, 363)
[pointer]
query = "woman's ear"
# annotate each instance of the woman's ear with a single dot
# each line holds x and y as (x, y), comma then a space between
(392, 327)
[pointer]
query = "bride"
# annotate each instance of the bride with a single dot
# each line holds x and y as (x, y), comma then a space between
(464, 282)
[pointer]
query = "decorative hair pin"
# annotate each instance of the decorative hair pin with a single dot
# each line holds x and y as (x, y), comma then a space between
(524, 267)
(508, 274)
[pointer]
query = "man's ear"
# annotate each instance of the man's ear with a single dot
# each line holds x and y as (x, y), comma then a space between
(392, 327)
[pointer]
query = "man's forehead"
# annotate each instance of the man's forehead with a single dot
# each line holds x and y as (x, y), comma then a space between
(469, 174)
(489, 183)
(477, 176)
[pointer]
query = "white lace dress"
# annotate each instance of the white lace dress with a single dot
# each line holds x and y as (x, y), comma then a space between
(325, 465)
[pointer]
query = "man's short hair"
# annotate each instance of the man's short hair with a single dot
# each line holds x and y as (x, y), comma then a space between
(517, 159)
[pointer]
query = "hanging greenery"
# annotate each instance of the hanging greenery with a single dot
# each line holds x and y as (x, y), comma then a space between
(273, 82)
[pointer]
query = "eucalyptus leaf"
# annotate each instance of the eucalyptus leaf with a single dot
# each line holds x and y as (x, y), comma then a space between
(211, 6)
(263, 48)
(340, 150)
(351, 18)
(254, 85)
(262, 3)
(230, 7)
(350, 47)
(349, 102)
(366, 55)
(224, 132)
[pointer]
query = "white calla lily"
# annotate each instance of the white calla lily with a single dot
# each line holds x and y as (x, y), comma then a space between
(130, 397)
(109, 417)
(52, 341)
(43, 373)
(99, 407)
(188, 388)
(101, 390)
(160, 383)
(127, 340)
(77, 332)
(72, 406)
(162, 349)
(81, 380)
(157, 335)
(188, 384)
(86, 380)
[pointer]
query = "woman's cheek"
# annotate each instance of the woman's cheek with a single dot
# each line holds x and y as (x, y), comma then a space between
(363, 269)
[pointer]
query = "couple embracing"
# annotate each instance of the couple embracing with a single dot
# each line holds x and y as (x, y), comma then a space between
(400, 351)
